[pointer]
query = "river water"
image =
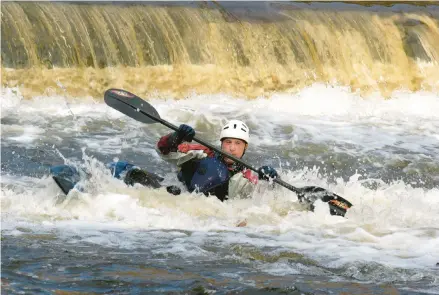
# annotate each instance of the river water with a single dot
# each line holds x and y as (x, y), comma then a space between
(338, 95)
(382, 155)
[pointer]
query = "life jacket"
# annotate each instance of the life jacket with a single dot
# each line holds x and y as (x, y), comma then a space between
(208, 175)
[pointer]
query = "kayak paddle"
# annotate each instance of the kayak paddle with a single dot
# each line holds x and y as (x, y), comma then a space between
(140, 110)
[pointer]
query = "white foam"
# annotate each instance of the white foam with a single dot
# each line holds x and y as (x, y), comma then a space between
(22, 133)
(394, 224)
(320, 113)
(53, 106)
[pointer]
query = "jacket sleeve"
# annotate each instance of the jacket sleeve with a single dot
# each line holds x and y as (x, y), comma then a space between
(242, 185)
(166, 144)
(182, 153)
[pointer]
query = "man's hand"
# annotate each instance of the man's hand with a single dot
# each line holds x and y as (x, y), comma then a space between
(267, 172)
(184, 133)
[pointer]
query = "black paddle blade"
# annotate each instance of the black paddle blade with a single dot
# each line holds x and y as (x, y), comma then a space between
(337, 205)
(130, 105)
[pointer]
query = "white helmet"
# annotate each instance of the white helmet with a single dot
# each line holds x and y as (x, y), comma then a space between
(235, 129)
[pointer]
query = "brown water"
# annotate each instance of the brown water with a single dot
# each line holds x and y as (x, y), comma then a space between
(244, 49)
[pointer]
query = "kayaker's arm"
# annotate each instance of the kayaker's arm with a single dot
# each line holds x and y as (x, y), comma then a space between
(242, 185)
(179, 158)
(166, 144)
(170, 142)
(171, 147)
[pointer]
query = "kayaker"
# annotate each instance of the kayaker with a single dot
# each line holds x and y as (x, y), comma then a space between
(203, 170)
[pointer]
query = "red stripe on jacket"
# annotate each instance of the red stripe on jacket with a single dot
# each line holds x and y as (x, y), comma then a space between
(165, 146)
(186, 147)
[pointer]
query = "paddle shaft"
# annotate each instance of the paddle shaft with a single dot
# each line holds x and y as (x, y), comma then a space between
(206, 144)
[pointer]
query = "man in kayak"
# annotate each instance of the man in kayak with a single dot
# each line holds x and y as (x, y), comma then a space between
(203, 170)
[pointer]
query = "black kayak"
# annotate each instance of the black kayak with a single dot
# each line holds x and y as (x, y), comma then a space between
(67, 177)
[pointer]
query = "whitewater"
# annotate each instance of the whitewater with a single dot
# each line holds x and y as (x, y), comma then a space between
(380, 154)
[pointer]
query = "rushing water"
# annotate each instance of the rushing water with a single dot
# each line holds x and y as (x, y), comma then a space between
(382, 155)
(337, 95)
(241, 48)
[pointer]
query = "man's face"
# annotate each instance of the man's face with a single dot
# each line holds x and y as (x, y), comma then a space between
(233, 146)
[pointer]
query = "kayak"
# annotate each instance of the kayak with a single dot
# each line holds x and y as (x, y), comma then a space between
(68, 177)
